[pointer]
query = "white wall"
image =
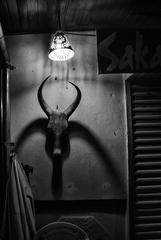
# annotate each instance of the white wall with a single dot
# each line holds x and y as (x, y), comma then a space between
(87, 173)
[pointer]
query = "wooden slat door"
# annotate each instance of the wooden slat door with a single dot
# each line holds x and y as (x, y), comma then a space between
(144, 130)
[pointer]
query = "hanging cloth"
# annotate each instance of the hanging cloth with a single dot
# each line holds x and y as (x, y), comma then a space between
(19, 215)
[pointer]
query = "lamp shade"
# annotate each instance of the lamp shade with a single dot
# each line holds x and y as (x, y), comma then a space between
(60, 49)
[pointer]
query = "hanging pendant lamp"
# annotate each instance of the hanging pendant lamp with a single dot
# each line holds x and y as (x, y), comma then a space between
(60, 49)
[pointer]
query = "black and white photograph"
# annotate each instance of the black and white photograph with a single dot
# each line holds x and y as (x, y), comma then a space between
(80, 139)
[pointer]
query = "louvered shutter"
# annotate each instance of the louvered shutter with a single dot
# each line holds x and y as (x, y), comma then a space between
(144, 105)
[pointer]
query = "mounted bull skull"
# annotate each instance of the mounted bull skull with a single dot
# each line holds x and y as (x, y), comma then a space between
(58, 121)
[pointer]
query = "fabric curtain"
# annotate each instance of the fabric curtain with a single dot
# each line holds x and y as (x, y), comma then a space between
(19, 215)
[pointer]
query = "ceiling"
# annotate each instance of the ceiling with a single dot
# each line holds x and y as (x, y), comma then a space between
(40, 16)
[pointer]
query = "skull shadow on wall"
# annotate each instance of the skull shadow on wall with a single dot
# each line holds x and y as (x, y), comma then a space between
(58, 132)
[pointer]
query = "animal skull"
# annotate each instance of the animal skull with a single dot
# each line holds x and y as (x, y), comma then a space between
(57, 120)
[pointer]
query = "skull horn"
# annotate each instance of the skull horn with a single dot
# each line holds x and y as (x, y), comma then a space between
(46, 108)
(69, 110)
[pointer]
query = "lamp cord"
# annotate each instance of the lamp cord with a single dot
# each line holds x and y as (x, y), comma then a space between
(58, 15)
